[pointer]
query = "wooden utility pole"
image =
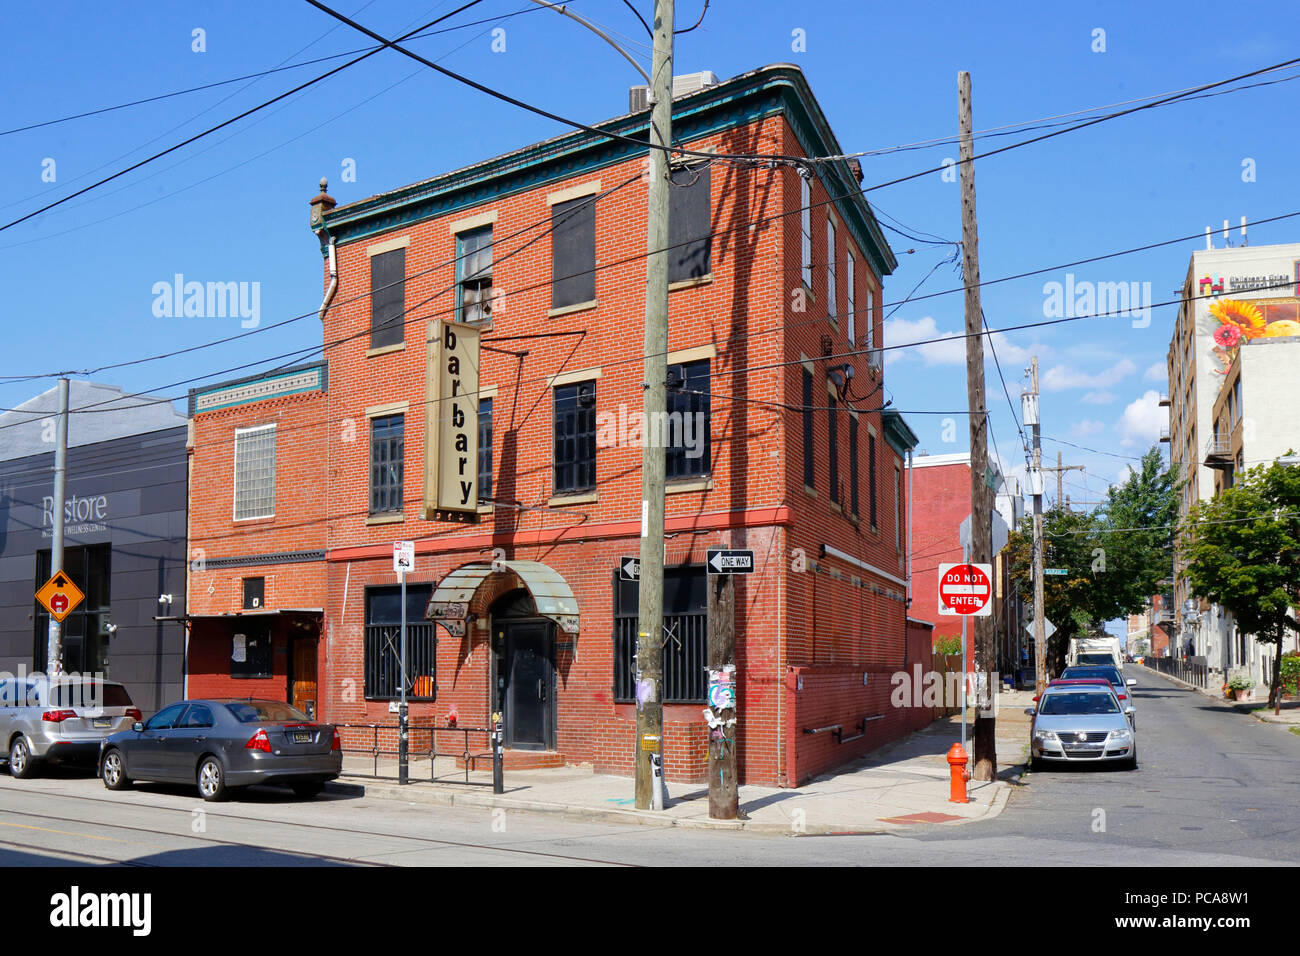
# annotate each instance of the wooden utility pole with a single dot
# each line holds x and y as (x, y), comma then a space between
(1036, 486)
(981, 494)
(1060, 470)
(724, 792)
(650, 608)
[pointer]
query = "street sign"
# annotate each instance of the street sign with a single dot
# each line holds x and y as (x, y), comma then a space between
(729, 561)
(997, 524)
(629, 569)
(403, 557)
(1056, 571)
(1048, 628)
(60, 596)
(966, 590)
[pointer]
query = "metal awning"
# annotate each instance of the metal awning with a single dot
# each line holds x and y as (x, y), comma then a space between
(236, 615)
(551, 594)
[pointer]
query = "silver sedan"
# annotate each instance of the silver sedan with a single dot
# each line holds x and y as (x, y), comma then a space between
(1082, 722)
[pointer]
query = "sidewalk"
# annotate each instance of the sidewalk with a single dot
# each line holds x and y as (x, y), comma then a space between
(1259, 709)
(899, 786)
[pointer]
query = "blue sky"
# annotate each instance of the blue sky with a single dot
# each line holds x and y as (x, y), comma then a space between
(233, 207)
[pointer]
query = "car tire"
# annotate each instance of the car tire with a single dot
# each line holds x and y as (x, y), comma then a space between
(21, 762)
(114, 771)
(1132, 762)
(211, 779)
(306, 791)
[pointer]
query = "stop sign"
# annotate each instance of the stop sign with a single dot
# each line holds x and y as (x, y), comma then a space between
(966, 590)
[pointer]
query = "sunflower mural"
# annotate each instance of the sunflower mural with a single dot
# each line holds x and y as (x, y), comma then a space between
(1241, 321)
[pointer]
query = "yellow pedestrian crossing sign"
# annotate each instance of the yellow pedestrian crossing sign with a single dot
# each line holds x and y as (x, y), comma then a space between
(60, 596)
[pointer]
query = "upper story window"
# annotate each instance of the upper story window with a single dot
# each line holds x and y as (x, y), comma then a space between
(871, 477)
(831, 312)
(805, 229)
(853, 464)
(869, 323)
(575, 437)
(484, 450)
(689, 224)
(387, 298)
(255, 472)
(809, 473)
(689, 420)
(833, 439)
(573, 252)
(387, 443)
(851, 298)
(474, 275)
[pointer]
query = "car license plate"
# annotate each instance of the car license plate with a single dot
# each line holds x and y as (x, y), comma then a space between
(302, 737)
(103, 722)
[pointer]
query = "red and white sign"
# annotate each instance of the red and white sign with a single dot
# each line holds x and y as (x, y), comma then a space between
(966, 590)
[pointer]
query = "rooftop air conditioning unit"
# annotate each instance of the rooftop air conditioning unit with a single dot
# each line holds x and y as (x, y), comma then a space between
(638, 97)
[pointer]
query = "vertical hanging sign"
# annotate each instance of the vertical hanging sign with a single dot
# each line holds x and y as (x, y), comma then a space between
(451, 423)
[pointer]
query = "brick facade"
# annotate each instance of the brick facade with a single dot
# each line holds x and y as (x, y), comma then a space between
(801, 614)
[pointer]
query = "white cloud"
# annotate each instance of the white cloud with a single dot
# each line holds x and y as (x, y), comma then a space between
(1087, 427)
(951, 350)
(1059, 378)
(1156, 372)
(1101, 397)
(1142, 420)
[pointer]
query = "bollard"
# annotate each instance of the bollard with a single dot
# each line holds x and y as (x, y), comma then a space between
(957, 760)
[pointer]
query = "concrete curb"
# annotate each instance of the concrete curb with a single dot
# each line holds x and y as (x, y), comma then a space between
(421, 793)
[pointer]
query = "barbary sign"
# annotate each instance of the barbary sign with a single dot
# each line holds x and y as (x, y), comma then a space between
(451, 423)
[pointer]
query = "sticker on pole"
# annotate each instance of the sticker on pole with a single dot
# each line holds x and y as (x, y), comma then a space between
(966, 590)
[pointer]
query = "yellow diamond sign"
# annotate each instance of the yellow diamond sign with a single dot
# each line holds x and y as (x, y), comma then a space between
(60, 596)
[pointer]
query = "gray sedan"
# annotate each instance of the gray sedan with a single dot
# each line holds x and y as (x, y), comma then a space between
(221, 744)
(1082, 722)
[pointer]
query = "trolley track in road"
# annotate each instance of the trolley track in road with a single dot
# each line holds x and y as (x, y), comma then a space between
(426, 841)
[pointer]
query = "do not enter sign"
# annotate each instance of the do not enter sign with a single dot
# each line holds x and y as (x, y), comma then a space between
(966, 590)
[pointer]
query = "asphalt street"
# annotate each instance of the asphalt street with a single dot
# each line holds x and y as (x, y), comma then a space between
(1213, 787)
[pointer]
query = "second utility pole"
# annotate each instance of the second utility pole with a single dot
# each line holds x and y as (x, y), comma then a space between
(981, 491)
(648, 756)
(1036, 486)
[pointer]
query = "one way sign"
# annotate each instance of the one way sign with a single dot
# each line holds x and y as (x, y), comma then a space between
(629, 569)
(730, 561)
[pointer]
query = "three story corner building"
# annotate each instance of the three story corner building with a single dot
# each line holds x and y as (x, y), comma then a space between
(303, 478)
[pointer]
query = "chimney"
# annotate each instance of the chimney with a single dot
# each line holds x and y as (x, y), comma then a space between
(320, 205)
(856, 166)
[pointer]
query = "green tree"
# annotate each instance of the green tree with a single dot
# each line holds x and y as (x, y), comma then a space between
(1243, 553)
(1116, 557)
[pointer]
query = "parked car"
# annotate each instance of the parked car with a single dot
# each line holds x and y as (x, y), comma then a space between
(1117, 680)
(1084, 721)
(220, 744)
(59, 721)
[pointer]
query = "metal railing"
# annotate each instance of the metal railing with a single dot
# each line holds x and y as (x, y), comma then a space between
(493, 751)
(1192, 671)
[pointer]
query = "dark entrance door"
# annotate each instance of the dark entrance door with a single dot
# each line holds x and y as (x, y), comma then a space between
(302, 675)
(528, 685)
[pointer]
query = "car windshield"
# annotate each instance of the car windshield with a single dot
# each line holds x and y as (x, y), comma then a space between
(1077, 703)
(1081, 673)
(1095, 658)
(258, 711)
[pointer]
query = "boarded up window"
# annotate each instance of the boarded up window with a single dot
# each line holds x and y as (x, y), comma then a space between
(573, 252)
(387, 298)
(689, 224)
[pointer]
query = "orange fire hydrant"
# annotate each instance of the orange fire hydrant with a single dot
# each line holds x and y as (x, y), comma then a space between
(957, 761)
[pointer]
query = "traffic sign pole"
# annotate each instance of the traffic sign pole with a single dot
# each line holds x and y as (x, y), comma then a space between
(54, 645)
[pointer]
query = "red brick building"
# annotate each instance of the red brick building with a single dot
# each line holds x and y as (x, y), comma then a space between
(302, 479)
(940, 485)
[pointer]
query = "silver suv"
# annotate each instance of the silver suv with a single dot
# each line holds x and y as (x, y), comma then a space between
(60, 721)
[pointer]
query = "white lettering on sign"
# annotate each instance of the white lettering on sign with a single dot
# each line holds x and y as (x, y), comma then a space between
(451, 446)
(965, 589)
(75, 508)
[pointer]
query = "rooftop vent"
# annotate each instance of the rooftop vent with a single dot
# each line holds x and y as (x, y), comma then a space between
(638, 97)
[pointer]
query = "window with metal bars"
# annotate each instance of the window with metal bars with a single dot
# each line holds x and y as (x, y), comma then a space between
(255, 472)
(387, 444)
(575, 437)
(685, 637)
(382, 644)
